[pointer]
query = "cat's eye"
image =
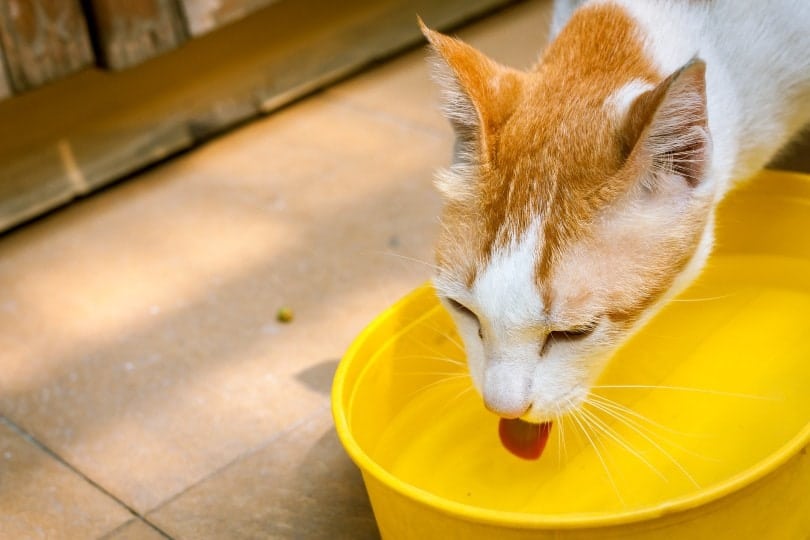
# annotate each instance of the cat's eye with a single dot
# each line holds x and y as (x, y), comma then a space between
(467, 312)
(575, 333)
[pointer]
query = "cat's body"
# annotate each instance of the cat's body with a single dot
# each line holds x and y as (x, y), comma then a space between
(583, 192)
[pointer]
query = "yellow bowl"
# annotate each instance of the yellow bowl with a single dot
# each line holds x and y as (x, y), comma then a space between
(700, 430)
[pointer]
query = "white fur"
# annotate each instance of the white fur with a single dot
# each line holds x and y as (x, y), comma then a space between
(758, 71)
(757, 57)
(621, 100)
(513, 302)
(506, 366)
(510, 312)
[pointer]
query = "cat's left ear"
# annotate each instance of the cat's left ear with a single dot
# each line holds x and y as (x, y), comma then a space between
(479, 94)
(667, 128)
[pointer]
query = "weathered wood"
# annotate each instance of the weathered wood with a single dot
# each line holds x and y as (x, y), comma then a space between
(43, 40)
(31, 184)
(131, 31)
(5, 87)
(206, 15)
(81, 133)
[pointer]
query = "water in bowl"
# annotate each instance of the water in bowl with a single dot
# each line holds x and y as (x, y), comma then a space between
(711, 386)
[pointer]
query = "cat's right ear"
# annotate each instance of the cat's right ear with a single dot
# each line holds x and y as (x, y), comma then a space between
(478, 94)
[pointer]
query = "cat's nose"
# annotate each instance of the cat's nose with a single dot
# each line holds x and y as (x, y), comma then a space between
(506, 391)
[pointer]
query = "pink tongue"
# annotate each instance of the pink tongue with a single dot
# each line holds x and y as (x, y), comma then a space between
(524, 439)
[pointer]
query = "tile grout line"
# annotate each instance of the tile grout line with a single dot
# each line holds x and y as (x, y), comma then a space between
(36, 442)
(262, 445)
(152, 526)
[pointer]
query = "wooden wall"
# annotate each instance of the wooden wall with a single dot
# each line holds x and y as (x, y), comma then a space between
(46, 40)
(94, 90)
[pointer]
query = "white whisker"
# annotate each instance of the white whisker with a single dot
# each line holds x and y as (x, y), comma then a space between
(452, 374)
(706, 299)
(619, 408)
(455, 361)
(445, 380)
(580, 422)
(682, 389)
(430, 348)
(610, 432)
(410, 259)
(445, 335)
(456, 398)
(666, 454)
(621, 417)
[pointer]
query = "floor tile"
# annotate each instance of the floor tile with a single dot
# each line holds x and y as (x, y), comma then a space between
(138, 327)
(139, 332)
(41, 498)
(134, 529)
(301, 486)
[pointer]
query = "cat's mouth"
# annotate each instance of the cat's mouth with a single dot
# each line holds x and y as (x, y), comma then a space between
(526, 440)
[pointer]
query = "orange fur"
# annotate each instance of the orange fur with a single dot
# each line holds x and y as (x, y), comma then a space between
(546, 145)
(583, 191)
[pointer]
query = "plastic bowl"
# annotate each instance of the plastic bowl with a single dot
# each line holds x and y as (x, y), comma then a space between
(702, 429)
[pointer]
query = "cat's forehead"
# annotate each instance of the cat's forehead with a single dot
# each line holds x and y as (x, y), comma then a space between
(553, 171)
(509, 294)
(557, 155)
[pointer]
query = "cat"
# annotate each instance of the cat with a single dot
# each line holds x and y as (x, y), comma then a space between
(583, 191)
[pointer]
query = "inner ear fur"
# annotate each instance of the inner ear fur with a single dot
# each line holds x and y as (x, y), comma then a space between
(667, 127)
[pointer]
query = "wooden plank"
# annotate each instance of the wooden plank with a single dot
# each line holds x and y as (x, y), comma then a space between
(86, 131)
(206, 15)
(5, 87)
(31, 184)
(43, 40)
(128, 32)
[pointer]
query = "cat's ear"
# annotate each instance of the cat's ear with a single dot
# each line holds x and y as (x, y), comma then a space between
(666, 130)
(478, 93)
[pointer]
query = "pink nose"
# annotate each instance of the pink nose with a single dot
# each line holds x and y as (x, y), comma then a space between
(505, 393)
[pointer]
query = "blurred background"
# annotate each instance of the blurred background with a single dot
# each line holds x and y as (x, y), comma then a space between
(92, 90)
(224, 161)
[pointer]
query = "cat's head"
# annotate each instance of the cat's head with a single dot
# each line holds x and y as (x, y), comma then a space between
(578, 201)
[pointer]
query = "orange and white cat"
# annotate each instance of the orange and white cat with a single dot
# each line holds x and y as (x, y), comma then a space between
(583, 191)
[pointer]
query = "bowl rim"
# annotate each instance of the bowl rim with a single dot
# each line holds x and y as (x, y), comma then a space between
(522, 520)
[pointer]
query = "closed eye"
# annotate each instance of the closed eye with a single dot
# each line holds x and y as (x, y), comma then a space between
(574, 334)
(467, 312)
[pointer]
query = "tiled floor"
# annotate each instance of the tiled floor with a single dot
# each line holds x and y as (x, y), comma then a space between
(147, 389)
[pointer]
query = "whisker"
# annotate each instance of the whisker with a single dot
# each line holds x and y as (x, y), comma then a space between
(580, 422)
(558, 421)
(437, 358)
(445, 335)
(666, 454)
(446, 380)
(706, 299)
(619, 408)
(407, 258)
(620, 416)
(455, 398)
(430, 348)
(442, 334)
(452, 374)
(610, 432)
(683, 389)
